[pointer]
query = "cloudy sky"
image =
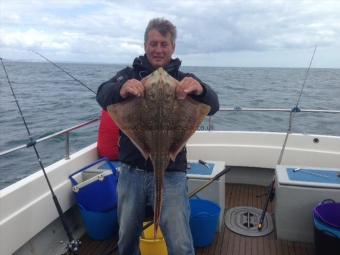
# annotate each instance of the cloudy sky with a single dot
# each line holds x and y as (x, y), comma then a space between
(210, 33)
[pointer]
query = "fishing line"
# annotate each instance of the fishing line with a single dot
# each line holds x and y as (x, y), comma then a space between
(73, 245)
(295, 109)
(62, 69)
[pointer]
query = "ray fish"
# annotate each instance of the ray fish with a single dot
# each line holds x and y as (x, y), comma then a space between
(159, 125)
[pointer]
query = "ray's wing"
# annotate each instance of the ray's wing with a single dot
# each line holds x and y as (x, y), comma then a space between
(180, 118)
(187, 121)
(128, 115)
(137, 117)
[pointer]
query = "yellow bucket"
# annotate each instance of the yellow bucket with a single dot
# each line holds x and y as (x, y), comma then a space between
(150, 246)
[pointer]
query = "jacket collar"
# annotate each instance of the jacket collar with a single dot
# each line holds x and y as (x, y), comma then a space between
(144, 68)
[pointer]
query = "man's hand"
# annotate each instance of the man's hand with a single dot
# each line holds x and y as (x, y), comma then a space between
(132, 87)
(188, 86)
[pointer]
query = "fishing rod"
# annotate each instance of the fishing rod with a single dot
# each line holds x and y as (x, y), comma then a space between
(72, 246)
(191, 194)
(295, 109)
(62, 69)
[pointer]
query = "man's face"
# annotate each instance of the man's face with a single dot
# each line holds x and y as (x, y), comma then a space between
(159, 49)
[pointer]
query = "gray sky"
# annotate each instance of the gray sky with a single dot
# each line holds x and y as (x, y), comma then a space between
(210, 33)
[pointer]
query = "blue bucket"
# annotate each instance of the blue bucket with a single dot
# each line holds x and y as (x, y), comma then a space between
(96, 192)
(329, 230)
(326, 217)
(99, 225)
(204, 220)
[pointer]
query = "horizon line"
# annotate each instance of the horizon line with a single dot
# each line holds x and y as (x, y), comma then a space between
(183, 65)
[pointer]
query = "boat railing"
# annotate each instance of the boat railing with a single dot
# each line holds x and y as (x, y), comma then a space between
(66, 132)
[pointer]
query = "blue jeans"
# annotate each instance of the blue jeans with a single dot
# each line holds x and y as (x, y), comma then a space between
(135, 191)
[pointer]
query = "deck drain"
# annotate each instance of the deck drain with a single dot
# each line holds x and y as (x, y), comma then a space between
(244, 221)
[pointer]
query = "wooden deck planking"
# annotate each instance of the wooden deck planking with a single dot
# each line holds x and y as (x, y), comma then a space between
(227, 242)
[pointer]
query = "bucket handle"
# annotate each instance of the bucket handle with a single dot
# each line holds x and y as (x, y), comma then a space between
(113, 169)
(329, 233)
(201, 214)
(317, 214)
(196, 197)
(327, 201)
(80, 206)
(99, 177)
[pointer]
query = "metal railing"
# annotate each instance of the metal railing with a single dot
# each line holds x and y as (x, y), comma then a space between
(66, 132)
(237, 109)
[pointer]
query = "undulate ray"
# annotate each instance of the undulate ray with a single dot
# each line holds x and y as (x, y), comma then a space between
(159, 125)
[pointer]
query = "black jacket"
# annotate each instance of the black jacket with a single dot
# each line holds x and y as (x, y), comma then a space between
(109, 93)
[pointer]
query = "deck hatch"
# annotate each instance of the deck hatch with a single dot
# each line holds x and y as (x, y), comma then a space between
(244, 221)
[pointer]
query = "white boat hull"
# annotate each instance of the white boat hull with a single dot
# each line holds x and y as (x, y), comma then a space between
(27, 208)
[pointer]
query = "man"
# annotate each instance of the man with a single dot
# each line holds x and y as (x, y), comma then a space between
(136, 184)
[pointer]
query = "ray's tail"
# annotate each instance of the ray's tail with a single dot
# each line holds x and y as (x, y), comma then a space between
(158, 203)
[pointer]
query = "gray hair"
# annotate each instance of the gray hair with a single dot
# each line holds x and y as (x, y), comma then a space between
(163, 26)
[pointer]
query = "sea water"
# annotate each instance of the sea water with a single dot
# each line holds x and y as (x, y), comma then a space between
(52, 101)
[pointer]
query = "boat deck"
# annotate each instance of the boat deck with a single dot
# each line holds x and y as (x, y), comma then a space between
(227, 242)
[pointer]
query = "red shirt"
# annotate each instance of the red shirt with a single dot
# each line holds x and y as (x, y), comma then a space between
(108, 137)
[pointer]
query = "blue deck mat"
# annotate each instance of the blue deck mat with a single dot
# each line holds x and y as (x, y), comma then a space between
(313, 175)
(197, 168)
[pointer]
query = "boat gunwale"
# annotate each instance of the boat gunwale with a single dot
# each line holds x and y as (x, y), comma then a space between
(66, 132)
(232, 155)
